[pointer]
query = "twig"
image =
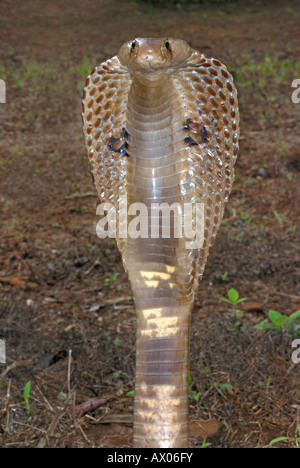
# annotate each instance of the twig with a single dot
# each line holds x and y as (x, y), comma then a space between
(292, 296)
(69, 372)
(55, 419)
(83, 433)
(19, 423)
(80, 195)
(43, 396)
(4, 411)
(15, 364)
(88, 406)
(116, 300)
(96, 263)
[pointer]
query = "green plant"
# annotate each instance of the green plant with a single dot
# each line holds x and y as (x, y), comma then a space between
(109, 281)
(27, 389)
(205, 444)
(116, 342)
(284, 323)
(195, 395)
(224, 386)
(250, 73)
(234, 299)
(283, 438)
(115, 375)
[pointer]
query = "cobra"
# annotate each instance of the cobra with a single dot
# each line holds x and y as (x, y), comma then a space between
(161, 125)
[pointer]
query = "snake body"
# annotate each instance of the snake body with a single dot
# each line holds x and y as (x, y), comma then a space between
(161, 125)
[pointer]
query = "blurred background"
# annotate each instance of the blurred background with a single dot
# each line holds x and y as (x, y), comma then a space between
(66, 312)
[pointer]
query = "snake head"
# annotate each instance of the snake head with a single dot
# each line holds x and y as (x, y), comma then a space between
(142, 54)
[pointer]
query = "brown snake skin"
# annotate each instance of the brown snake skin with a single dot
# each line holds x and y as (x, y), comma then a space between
(161, 124)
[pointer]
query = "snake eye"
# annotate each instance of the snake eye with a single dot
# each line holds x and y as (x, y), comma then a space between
(167, 45)
(133, 44)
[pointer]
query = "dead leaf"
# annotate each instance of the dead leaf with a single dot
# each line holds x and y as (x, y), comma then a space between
(252, 307)
(201, 428)
(88, 406)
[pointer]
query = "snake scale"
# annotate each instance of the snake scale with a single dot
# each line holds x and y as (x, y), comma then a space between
(161, 125)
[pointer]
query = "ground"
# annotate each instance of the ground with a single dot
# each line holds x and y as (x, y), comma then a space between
(66, 312)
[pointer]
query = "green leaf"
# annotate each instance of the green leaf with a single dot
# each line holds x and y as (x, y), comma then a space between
(263, 325)
(279, 439)
(243, 299)
(233, 295)
(196, 396)
(27, 389)
(294, 316)
(116, 342)
(225, 300)
(277, 318)
(224, 385)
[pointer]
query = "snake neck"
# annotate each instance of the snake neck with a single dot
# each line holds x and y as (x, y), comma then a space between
(157, 260)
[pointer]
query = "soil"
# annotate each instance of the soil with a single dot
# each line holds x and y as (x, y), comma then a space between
(66, 311)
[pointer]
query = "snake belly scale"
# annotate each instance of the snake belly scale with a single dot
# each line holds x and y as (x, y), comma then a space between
(161, 126)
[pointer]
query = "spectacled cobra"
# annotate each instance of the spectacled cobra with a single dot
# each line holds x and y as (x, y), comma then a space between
(161, 125)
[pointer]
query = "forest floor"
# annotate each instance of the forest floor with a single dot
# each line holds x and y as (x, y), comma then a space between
(66, 309)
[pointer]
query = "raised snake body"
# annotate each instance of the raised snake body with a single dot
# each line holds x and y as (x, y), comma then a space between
(161, 125)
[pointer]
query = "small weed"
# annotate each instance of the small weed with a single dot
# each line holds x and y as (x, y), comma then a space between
(195, 395)
(224, 276)
(292, 439)
(280, 217)
(283, 147)
(113, 377)
(27, 389)
(109, 281)
(16, 150)
(265, 384)
(62, 396)
(250, 73)
(19, 235)
(205, 444)
(285, 323)
(234, 299)
(116, 342)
